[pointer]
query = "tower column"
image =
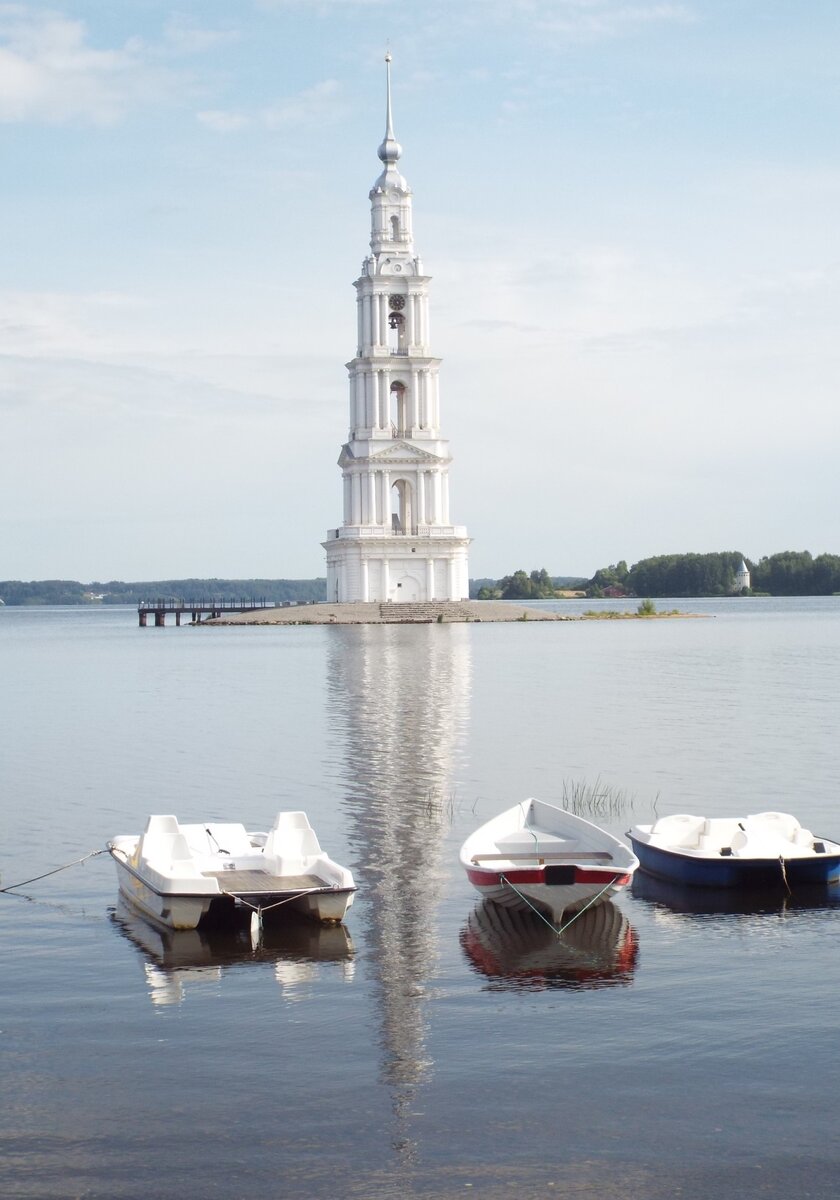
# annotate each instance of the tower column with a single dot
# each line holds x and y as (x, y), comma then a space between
(421, 399)
(359, 402)
(366, 389)
(413, 417)
(356, 481)
(436, 490)
(385, 499)
(383, 320)
(371, 498)
(410, 322)
(430, 579)
(384, 415)
(374, 320)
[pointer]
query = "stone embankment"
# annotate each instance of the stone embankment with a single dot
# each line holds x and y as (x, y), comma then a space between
(440, 611)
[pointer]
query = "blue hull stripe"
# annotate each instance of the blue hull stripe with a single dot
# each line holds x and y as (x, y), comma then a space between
(734, 872)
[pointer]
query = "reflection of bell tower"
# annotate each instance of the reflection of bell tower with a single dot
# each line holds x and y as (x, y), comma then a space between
(399, 706)
(396, 541)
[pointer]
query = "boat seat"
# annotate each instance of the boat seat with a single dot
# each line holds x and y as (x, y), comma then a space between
(167, 847)
(157, 837)
(172, 851)
(230, 837)
(161, 824)
(781, 824)
(523, 842)
(179, 851)
(291, 837)
(680, 829)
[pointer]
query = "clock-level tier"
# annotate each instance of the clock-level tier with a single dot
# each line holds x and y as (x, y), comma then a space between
(396, 541)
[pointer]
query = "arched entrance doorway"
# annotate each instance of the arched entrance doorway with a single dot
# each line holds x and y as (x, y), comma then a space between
(407, 590)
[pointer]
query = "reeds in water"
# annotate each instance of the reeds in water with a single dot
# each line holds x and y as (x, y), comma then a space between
(596, 799)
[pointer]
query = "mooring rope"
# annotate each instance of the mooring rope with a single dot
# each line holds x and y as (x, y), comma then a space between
(76, 863)
(542, 915)
(261, 908)
(784, 875)
(257, 910)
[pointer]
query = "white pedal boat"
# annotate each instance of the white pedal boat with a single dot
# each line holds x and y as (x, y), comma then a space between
(180, 875)
(537, 855)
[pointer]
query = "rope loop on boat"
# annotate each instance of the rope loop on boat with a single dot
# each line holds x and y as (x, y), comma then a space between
(559, 932)
(76, 863)
(257, 910)
(261, 908)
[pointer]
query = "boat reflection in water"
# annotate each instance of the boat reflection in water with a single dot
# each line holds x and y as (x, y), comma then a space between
(516, 948)
(667, 897)
(179, 959)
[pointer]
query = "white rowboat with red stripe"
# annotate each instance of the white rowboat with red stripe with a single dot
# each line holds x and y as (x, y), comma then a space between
(539, 855)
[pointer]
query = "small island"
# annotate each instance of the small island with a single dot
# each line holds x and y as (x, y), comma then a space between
(441, 612)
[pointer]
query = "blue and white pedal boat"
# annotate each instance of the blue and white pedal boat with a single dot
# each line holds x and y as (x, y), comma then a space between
(763, 850)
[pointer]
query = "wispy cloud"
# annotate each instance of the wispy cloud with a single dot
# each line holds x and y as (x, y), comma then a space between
(223, 121)
(322, 6)
(185, 37)
(50, 72)
(585, 19)
(319, 104)
(50, 324)
(592, 19)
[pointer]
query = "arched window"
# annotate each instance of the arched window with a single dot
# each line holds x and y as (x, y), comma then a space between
(395, 228)
(396, 332)
(402, 503)
(399, 410)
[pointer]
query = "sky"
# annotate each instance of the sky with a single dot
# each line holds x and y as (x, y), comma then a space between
(629, 209)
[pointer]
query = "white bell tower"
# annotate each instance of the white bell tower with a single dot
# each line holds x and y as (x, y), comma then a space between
(396, 541)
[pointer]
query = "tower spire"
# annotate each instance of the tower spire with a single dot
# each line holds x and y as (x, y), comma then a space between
(390, 150)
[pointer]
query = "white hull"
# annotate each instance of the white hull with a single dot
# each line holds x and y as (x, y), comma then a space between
(179, 875)
(553, 899)
(176, 912)
(537, 855)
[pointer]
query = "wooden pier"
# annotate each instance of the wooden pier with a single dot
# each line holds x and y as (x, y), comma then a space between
(196, 608)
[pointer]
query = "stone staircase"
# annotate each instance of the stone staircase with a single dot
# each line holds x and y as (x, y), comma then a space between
(424, 613)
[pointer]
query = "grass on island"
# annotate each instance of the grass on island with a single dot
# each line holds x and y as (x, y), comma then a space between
(646, 608)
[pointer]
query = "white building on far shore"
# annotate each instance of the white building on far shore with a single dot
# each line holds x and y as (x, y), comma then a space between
(396, 541)
(742, 579)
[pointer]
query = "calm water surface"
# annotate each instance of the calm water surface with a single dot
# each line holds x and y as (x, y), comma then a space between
(430, 1048)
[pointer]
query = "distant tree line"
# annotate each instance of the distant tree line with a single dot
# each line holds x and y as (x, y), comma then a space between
(790, 573)
(796, 573)
(64, 591)
(539, 585)
(670, 575)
